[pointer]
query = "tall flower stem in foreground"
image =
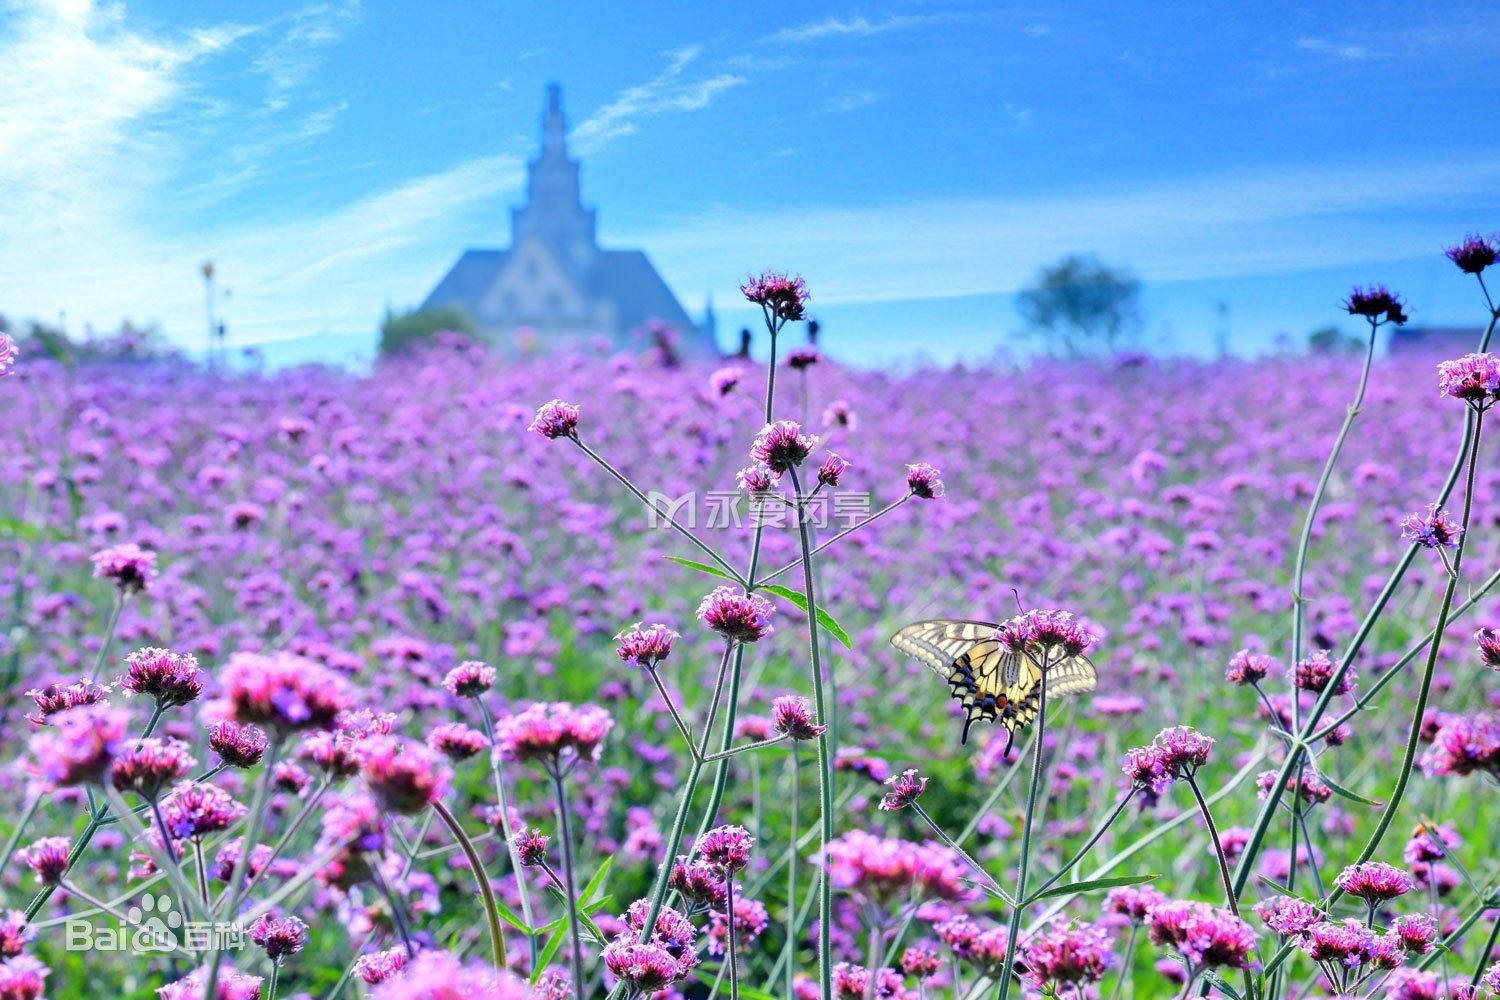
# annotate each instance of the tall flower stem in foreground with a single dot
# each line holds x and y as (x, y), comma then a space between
(1219, 855)
(1007, 967)
(825, 773)
(1295, 755)
(570, 879)
(1424, 690)
(491, 911)
(505, 829)
(234, 893)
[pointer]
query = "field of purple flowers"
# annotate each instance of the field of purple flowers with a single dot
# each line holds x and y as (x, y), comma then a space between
(425, 648)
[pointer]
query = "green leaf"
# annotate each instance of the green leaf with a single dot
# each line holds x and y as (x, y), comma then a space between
(990, 890)
(1341, 790)
(1090, 885)
(702, 568)
(1221, 985)
(588, 890)
(545, 958)
(824, 618)
(749, 993)
(1280, 889)
(509, 917)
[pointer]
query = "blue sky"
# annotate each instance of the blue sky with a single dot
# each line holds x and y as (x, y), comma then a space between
(916, 162)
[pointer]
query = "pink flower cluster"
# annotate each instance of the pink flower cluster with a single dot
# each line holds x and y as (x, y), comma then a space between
(282, 692)
(782, 445)
(1433, 529)
(1175, 754)
(556, 419)
(1474, 378)
(1066, 955)
(781, 295)
(882, 870)
(554, 733)
(1205, 936)
(1050, 631)
(737, 616)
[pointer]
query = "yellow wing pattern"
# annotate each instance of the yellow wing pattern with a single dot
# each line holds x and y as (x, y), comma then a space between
(990, 681)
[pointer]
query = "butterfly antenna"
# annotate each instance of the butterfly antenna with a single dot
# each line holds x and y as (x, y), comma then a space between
(1017, 595)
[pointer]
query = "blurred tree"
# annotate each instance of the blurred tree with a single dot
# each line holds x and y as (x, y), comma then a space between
(1332, 340)
(1079, 301)
(402, 330)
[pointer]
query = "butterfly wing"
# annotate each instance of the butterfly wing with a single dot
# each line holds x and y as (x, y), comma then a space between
(990, 681)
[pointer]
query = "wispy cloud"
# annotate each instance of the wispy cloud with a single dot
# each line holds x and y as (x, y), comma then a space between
(78, 89)
(833, 27)
(1323, 46)
(1184, 228)
(302, 37)
(845, 103)
(673, 90)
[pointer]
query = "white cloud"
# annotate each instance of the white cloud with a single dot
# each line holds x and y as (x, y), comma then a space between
(669, 91)
(834, 27)
(78, 87)
(846, 103)
(298, 50)
(1323, 46)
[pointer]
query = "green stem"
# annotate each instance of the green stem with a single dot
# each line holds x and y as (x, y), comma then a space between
(1083, 851)
(953, 846)
(651, 504)
(1219, 855)
(1026, 824)
(825, 772)
(505, 830)
(789, 948)
(1484, 955)
(1388, 814)
(110, 625)
(491, 911)
(1294, 757)
(574, 931)
(234, 892)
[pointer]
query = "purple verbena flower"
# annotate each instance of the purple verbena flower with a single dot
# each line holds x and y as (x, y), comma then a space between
(781, 295)
(737, 616)
(906, 787)
(469, 679)
(792, 715)
(131, 567)
(832, 469)
(1246, 667)
(782, 445)
(556, 419)
(279, 936)
(645, 647)
(727, 849)
(1434, 529)
(1474, 253)
(1206, 937)
(1374, 881)
(1066, 955)
(171, 678)
(924, 481)
(1473, 378)
(237, 744)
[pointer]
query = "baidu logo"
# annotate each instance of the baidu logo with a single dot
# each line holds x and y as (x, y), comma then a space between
(154, 925)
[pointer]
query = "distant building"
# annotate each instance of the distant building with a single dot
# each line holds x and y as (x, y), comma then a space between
(555, 283)
(1454, 341)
